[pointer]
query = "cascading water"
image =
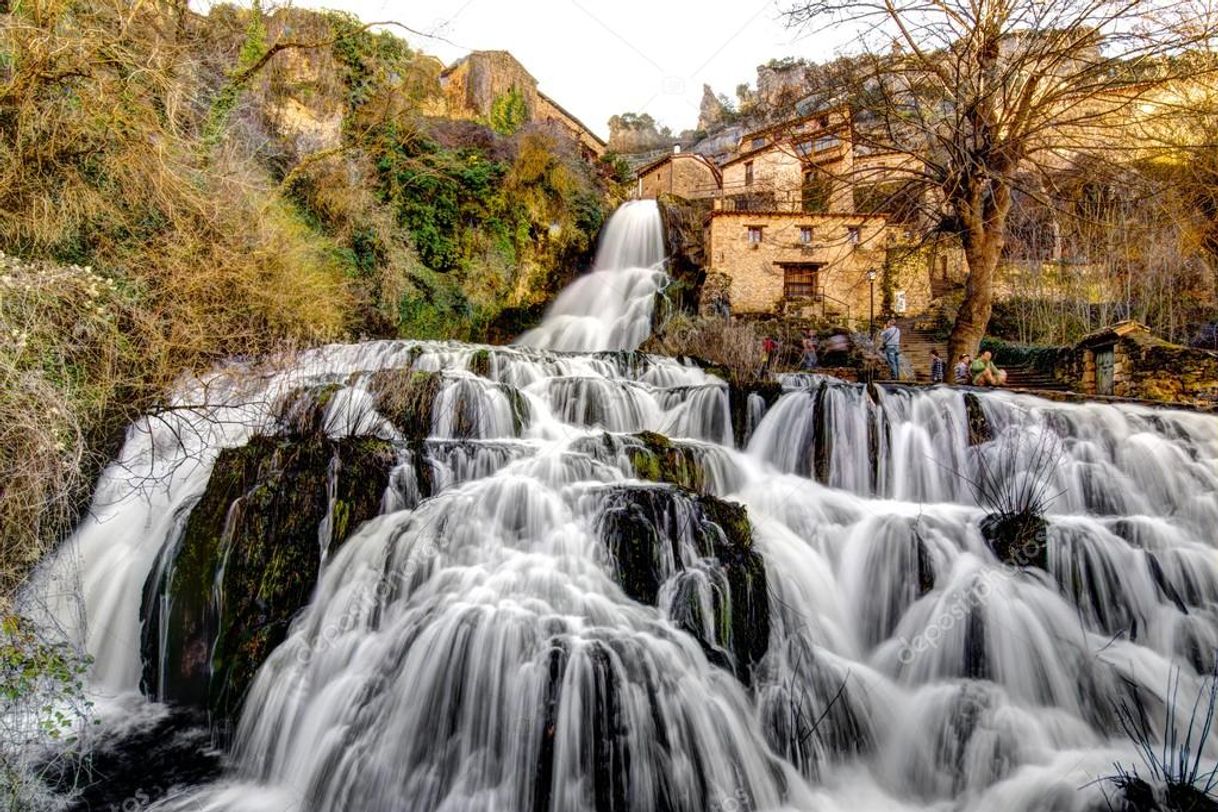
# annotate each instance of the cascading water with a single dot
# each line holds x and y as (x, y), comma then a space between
(611, 307)
(562, 606)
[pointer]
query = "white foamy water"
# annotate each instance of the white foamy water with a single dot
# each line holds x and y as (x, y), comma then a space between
(474, 649)
(611, 307)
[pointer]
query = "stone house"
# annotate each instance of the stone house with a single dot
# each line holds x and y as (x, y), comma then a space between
(472, 85)
(1126, 360)
(847, 268)
(683, 174)
(794, 229)
(798, 166)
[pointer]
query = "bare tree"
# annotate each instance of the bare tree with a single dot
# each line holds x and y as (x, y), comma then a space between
(969, 101)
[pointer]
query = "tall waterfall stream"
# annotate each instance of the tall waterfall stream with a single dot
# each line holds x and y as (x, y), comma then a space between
(558, 604)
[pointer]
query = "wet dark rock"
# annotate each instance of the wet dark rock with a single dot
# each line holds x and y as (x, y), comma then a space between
(979, 429)
(405, 398)
(738, 404)
(141, 766)
(822, 442)
(302, 412)
(643, 530)
(1018, 540)
(247, 560)
(1134, 794)
(480, 363)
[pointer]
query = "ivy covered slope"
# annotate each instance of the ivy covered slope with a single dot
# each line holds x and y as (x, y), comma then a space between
(224, 184)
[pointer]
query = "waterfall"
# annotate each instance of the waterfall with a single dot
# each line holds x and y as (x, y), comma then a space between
(579, 594)
(611, 307)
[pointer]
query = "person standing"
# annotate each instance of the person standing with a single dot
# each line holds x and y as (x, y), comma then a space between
(938, 369)
(890, 345)
(809, 359)
(768, 347)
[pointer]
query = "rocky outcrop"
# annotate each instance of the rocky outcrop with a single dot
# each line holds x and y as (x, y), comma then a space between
(684, 239)
(712, 112)
(979, 430)
(738, 403)
(1018, 540)
(221, 598)
(632, 133)
(673, 548)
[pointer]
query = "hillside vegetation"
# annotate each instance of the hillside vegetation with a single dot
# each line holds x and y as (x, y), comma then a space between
(177, 188)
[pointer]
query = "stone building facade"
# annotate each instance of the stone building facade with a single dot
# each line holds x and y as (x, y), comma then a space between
(799, 166)
(471, 86)
(792, 229)
(1127, 361)
(798, 264)
(683, 174)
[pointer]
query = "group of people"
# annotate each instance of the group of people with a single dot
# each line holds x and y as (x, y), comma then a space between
(979, 371)
(833, 350)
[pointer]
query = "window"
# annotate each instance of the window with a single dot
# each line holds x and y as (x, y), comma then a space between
(758, 143)
(854, 234)
(823, 121)
(800, 281)
(804, 148)
(754, 235)
(805, 235)
(826, 143)
(748, 173)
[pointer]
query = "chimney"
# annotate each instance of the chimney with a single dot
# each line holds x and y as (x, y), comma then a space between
(676, 148)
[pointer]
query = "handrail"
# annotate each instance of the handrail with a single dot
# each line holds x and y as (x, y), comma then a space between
(824, 297)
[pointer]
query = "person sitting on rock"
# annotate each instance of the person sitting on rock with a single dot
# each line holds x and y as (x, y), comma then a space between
(985, 373)
(962, 374)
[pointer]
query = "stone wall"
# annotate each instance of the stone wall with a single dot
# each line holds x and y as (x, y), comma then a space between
(755, 269)
(683, 175)
(1145, 368)
(778, 173)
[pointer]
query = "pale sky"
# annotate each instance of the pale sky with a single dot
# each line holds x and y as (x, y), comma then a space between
(602, 57)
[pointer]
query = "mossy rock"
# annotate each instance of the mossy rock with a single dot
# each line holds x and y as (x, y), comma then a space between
(480, 363)
(405, 398)
(247, 561)
(1018, 540)
(302, 412)
(658, 459)
(637, 524)
(979, 429)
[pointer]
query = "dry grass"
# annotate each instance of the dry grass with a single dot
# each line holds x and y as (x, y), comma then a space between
(198, 255)
(735, 346)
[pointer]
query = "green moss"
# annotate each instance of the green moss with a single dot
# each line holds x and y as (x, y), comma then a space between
(654, 457)
(480, 363)
(249, 559)
(638, 522)
(406, 399)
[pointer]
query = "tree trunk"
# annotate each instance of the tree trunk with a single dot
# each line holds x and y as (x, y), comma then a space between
(982, 250)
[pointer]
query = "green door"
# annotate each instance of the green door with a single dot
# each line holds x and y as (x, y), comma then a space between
(1104, 363)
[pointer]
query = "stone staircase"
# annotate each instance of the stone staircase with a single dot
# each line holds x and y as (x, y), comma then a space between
(915, 351)
(1026, 377)
(916, 345)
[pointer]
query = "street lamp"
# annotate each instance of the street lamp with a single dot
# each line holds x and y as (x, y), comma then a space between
(871, 274)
